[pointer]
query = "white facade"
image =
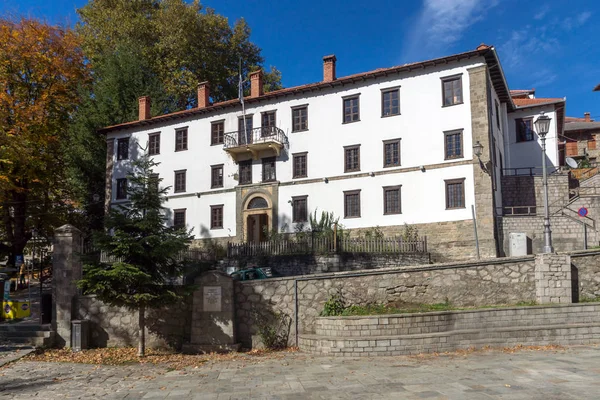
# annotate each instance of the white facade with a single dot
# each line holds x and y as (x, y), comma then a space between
(522, 155)
(420, 127)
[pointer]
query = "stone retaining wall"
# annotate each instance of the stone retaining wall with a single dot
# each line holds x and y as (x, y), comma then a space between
(498, 281)
(585, 273)
(392, 335)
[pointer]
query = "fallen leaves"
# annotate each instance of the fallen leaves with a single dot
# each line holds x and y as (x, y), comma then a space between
(170, 360)
(478, 350)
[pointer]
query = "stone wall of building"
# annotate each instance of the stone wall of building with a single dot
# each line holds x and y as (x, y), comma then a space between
(529, 191)
(291, 265)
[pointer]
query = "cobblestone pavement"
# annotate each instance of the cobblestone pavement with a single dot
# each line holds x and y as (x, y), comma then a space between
(572, 373)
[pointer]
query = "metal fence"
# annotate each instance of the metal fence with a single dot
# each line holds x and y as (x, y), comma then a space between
(326, 245)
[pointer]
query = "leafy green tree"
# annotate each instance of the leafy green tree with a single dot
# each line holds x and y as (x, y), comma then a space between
(147, 249)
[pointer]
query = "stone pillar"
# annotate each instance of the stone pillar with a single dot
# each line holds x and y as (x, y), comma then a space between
(553, 278)
(484, 191)
(67, 270)
(213, 315)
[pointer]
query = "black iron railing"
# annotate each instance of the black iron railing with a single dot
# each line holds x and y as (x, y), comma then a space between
(264, 134)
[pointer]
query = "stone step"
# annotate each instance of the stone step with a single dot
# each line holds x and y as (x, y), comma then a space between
(33, 341)
(23, 327)
(566, 334)
(26, 334)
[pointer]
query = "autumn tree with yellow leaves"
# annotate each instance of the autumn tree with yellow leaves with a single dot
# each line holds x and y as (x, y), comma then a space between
(41, 69)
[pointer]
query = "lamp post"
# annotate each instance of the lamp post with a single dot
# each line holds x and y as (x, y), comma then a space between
(542, 126)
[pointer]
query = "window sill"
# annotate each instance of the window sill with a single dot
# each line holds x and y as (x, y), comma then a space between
(217, 187)
(300, 177)
(391, 115)
(215, 228)
(350, 217)
(451, 105)
(300, 222)
(392, 165)
(216, 144)
(351, 170)
(350, 122)
(456, 208)
(177, 151)
(393, 213)
(454, 158)
(300, 130)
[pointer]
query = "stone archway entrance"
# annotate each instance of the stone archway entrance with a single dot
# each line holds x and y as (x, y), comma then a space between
(257, 217)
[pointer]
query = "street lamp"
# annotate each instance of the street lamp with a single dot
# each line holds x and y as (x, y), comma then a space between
(542, 126)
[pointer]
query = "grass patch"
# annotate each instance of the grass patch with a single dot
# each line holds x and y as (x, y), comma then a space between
(590, 299)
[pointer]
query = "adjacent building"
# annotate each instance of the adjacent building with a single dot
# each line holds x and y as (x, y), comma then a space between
(384, 148)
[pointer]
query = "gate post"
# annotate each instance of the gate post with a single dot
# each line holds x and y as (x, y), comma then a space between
(67, 270)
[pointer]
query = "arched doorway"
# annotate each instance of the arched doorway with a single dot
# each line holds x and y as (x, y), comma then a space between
(257, 219)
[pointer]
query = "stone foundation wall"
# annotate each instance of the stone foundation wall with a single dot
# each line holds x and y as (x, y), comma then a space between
(315, 264)
(117, 326)
(391, 335)
(529, 191)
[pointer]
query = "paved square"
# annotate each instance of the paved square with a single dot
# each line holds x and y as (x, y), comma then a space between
(572, 373)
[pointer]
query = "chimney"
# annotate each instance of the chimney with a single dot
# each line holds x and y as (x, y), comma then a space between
(586, 116)
(256, 83)
(144, 108)
(329, 68)
(203, 94)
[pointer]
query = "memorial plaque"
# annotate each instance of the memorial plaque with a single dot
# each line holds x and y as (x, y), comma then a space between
(212, 298)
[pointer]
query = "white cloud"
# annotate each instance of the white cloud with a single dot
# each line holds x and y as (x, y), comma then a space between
(442, 23)
(542, 77)
(542, 12)
(570, 23)
(583, 17)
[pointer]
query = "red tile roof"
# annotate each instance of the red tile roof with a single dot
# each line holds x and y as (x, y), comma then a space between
(482, 50)
(536, 102)
(574, 119)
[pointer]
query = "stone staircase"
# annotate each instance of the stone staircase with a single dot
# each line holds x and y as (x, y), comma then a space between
(26, 333)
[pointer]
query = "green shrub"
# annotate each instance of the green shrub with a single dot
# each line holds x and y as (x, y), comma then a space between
(273, 328)
(334, 306)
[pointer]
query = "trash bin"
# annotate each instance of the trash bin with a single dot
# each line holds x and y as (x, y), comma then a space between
(79, 334)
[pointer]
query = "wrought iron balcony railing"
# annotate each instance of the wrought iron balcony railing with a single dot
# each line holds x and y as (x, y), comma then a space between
(255, 136)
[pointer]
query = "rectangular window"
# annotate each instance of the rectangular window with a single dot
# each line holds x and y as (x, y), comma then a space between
(216, 176)
(299, 118)
(245, 138)
(351, 158)
(497, 113)
(217, 130)
(299, 209)
(216, 217)
(181, 139)
(245, 177)
(453, 144)
(452, 90)
(268, 123)
(391, 200)
(300, 169)
(455, 193)
(268, 169)
(179, 218)
(179, 181)
(390, 102)
(351, 109)
(391, 153)
(154, 144)
(524, 129)
(121, 189)
(352, 204)
(123, 149)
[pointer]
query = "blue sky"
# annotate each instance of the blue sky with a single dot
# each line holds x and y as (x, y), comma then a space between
(549, 45)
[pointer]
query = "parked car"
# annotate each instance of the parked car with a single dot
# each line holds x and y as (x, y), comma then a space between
(252, 274)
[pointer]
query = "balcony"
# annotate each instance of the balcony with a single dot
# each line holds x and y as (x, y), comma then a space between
(255, 141)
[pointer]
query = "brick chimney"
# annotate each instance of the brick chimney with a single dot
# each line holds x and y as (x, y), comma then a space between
(586, 116)
(329, 68)
(144, 108)
(203, 95)
(256, 83)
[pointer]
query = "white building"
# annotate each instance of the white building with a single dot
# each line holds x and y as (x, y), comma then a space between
(383, 148)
